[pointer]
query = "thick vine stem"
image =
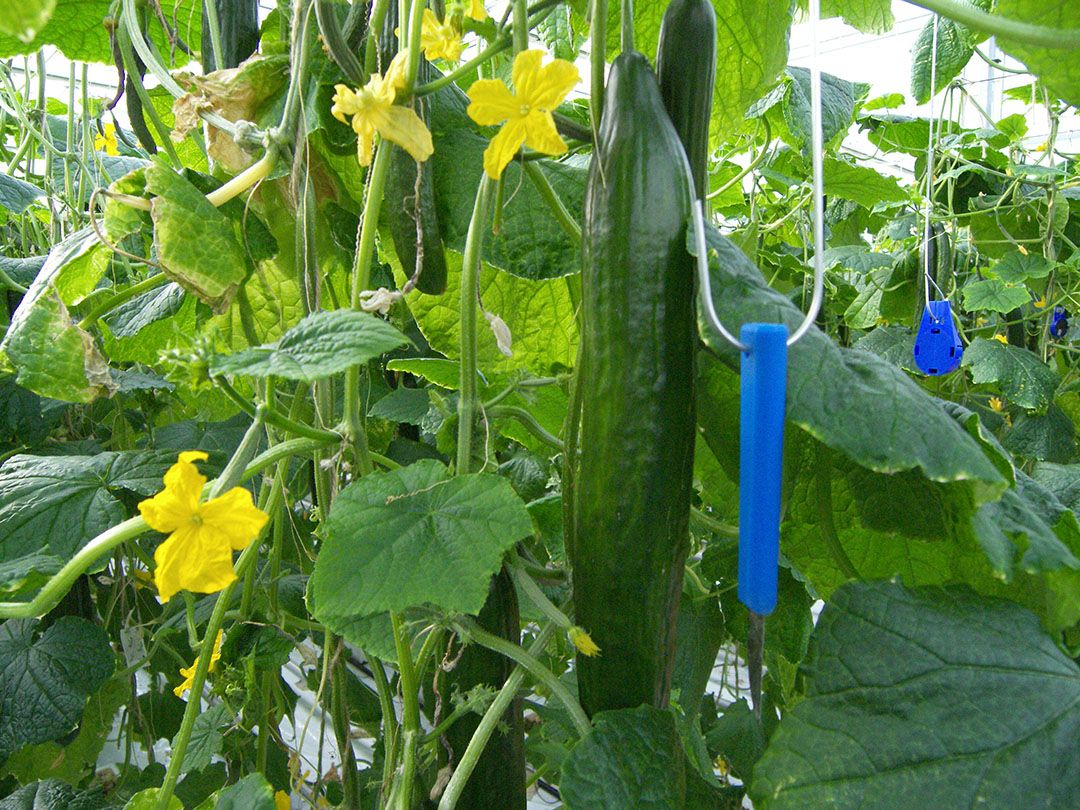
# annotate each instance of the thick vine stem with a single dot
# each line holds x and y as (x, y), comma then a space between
(468, 629)
(597, 62)
(491, 719)
(551, 197)
(411, 714)
(470, 284)
(1000, 26)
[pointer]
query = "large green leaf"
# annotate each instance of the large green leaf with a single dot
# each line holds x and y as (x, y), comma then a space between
(24, 18)
(851, 400)
(1025, 380)
(994, 295)
(54, 794)
(17, 195)
(252, 792)
(1061, 479)
(415, 536)
(196, 243)
(839, 100)
(206, 737)
(1046, 436)
(322, 344)
(45, 682)
(860, 184)
(633, 758)
(927, 698)
(59, 503)
(868, 16)
(1057, 69)
(955, 47)
(539, 314)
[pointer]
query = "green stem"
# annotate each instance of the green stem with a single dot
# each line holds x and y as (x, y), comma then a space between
(416, 22)
(711, 524)
(215, 32)
(520, 30)
(470, 284)
(1000, 26)
(125, 38)
(597, 62)
(554, 202)
(339, 708)
(626, 20)
(411, 712)
(277, 418)
(528, 421)
(468, 629)
(528, 587)
(389, 721)
(375, 27)
(112, 303)
(488, 723)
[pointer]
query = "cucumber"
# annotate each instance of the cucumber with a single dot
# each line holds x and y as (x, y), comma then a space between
(686, 70)
(238, 21)
(408, 209)
(633, 485)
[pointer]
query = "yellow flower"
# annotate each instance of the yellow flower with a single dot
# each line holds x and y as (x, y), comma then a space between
(197, 554)
(1001, 339)
(1041, 302)
(527, 111)
(583, 641)
(373, 110)
(107, 140)
(440, 39)
(282, 801)
(1022, 249)
(189, 672)
(996, 405)
(477, 11)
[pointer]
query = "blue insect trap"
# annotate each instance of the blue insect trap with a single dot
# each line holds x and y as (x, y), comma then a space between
(938, 349)
(1059, 323)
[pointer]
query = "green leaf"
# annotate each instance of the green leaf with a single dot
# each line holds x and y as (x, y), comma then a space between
(1061, 479)
(57, 504)
(739, 738)
(1024, 379)
(839, 100)
(633, 758)
(415, 536)
(252, 792)
(403, 404)
(868, 16)
(54, 794)
(131, 317)
(857, 258)
(906, 695)
(206, 737)
(45, 682)
(1046, 437)
(1017, 267)
(860, 184)
(196, 243)
(893, 344)
(436, 370)
(148, 800)
(322, 344)
(539, 314)
(994, 295)
(851, 400)
(24, 18)
(17, 195)
(955, 47)
(1056, 68)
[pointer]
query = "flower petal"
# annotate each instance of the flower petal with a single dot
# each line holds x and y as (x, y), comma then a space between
(541, 135)
(503, 147)
(345, 102)
(440, 39)
(526, 72)
(394, 77)
(491, 102)
(189, 676)
(405, 128)
(235, 516)
(173, 506)
(195, 559)
(556, 79)
(365, 139)
(477, 11)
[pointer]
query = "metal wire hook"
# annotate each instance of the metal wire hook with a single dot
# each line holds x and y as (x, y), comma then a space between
(818, 210)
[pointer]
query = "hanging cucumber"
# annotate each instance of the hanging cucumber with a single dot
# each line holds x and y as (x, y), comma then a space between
(238, 23)
(630, 533)
(686, 71)
(408, 209)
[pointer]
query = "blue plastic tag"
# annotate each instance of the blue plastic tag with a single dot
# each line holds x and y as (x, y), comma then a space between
(1059, 323)
(938, 349)
(761, 455)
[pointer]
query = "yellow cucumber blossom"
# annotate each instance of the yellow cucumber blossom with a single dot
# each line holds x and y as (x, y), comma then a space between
(440, 39)
(526, 111)
(1041, 302)
(189, 672)
(106, 141)
(996, 405)
(197, 554)
(1001, 339)
(373, 110)
(282, 800)
(477, 11)
(583, 641)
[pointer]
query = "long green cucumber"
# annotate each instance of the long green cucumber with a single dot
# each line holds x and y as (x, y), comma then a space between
(238, 21)
(686, 70)
(632, 503)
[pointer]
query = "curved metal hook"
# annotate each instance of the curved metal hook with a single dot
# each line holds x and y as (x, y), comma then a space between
(818, 209)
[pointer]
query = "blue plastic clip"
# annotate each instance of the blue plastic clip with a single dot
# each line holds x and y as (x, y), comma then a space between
(761, 454)
(1059, 323)
(938, 349)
